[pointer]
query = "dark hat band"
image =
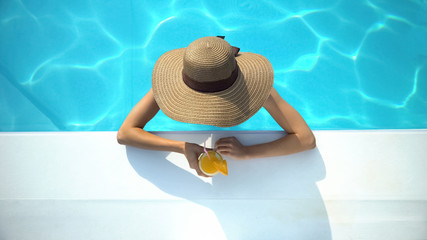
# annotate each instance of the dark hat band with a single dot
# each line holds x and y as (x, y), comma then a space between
(215, 86)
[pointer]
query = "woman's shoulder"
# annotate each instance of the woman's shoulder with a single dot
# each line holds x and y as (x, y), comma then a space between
(273, 99)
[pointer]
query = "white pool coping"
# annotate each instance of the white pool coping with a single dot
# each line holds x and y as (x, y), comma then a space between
(369, 184)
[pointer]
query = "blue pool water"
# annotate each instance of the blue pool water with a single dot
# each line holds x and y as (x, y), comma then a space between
(81, 65)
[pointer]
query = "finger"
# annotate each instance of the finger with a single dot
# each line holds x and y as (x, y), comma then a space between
(223, 149)
(225, 140)
(194, 166)
(229, 139)
(221, 143)
(226, 153)
(224, 144)
(204, 175)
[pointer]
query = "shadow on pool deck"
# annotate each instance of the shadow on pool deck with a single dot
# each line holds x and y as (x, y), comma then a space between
(272, 198)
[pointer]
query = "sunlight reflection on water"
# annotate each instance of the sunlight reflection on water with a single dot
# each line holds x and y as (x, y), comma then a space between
(82, 65)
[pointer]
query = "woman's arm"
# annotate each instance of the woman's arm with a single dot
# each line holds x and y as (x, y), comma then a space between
(299, 136)
(132, 133)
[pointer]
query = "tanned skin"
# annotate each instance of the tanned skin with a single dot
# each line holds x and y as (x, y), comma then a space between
(299, 137)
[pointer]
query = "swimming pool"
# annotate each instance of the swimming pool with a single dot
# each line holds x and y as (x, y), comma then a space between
(82, 65)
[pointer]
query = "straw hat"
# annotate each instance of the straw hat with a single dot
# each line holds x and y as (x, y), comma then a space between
(210, 83)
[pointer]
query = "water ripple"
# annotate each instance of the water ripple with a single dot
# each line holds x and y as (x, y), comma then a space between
(84, 64)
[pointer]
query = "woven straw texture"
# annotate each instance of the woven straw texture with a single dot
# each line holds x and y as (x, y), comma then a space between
(226, 108)
(209, 60)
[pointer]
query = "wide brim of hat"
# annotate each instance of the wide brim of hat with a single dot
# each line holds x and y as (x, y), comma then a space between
(226, 108)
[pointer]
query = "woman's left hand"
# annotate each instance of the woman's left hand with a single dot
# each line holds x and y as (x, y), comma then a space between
(192, 152)
(231, 147)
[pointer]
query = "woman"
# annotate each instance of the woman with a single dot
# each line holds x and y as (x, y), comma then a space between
(210, 82)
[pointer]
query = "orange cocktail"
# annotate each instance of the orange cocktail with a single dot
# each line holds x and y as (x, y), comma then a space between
(212, 163)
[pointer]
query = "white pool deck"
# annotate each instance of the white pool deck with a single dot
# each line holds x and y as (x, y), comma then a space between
(83, 185)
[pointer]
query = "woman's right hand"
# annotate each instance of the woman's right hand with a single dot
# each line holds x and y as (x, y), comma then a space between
(192, 152)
